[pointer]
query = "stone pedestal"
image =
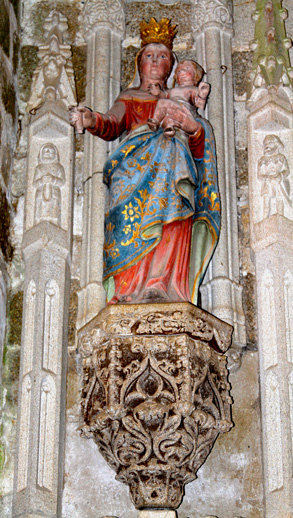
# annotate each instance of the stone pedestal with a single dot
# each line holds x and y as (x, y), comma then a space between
(155, 394)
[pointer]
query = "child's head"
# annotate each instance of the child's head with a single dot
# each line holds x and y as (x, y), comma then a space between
(188, 73)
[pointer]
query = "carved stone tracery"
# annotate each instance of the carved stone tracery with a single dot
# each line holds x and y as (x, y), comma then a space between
(211, 11)
(109, 12)
(155, 395)
(53, 78)
(271, 69)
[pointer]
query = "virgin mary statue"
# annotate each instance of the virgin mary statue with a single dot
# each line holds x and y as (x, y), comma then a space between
(162, 222)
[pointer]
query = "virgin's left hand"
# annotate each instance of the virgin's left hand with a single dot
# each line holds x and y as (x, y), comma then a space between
(182, 118)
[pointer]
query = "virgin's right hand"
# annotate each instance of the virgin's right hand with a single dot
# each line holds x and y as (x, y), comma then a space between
(80, 115)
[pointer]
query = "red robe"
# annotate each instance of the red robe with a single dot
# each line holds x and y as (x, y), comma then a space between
(163, 274)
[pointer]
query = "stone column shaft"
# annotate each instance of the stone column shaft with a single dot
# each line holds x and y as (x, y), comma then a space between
(272, 242)
(46, 247)
(103, 87)
(221, 291)
(270, 171)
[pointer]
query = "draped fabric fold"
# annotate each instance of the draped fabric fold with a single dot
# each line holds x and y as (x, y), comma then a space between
(153, 182)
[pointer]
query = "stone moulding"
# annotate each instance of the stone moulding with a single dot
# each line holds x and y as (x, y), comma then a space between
(155, 394)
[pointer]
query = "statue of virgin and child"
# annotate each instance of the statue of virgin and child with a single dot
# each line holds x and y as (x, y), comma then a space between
(163, 218)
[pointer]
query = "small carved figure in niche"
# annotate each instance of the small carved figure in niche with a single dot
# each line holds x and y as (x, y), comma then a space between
(48, 178)
(163, 220)
(274, 172)
(191, 92)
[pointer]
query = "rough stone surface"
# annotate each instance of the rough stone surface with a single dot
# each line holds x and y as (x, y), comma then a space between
(10, 326)
(5, 27)
(79, 57)
(230, 482)
(8, 399)
(28, 64)
(241, 62)
(178, 12)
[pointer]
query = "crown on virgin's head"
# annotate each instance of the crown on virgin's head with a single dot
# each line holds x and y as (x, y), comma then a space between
(158, 32)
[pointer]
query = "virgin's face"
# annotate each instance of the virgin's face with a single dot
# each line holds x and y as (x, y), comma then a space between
(155, 62)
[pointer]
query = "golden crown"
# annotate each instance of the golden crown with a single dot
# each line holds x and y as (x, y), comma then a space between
(158, 32)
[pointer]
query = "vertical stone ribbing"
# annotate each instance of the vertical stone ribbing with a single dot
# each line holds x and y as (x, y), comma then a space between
(212, 31)
(270, 133)
(47, 254)
(105, 27)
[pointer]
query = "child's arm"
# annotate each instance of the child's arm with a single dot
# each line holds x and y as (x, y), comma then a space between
(203, 91)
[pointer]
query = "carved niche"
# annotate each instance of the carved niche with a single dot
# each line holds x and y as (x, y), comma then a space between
(155, 394)
(274, 174)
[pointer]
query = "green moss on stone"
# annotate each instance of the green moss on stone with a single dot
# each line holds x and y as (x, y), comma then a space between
(41, 10)
(249, 305)
(28, 63)
(179, 14)
(242, 62)
(11, 355)
(15, 57)
(241, 167)
(11, 362)
(79, 55)
(6, 164)
(72, 312)
(14, 310)
(8, 94)
(2, 457)
(5, 244)
(4, 28)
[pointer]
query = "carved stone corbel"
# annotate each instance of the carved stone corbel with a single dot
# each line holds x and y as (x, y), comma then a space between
(155, 394)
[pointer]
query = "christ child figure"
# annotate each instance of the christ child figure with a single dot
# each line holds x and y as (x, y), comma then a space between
(190, 91)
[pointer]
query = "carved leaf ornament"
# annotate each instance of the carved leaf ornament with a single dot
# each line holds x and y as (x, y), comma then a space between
(154, 403)
(211, 11)
(109, 12)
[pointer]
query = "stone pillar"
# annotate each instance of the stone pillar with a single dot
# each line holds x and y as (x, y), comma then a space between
(270, 133)
(212, 29)
(47, 255)
(104, 22)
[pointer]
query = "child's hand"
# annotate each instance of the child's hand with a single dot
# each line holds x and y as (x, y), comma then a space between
(155, 89)
(204, 90)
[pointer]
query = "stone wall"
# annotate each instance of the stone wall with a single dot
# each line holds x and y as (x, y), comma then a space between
(230, 483)
(9, 348)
